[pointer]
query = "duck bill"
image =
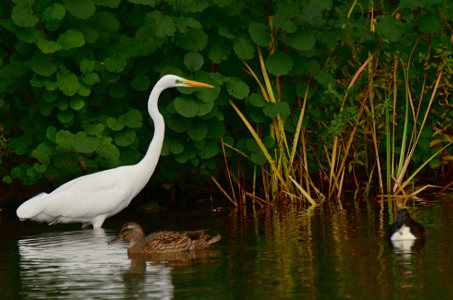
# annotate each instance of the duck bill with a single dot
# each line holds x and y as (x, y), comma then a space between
(115, 240)
(198, 84)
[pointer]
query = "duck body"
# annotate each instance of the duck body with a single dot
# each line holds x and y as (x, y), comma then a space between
(405, 228)
(163, 241)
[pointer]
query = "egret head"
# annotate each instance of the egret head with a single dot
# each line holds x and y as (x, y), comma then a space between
(176, 81)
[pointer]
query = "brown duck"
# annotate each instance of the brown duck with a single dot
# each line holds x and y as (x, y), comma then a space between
(163, 241)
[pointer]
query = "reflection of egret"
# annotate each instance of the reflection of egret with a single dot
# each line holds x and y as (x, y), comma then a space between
(79, 265)
(92, 198)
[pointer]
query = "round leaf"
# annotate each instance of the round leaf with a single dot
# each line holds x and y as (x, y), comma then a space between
(71, 38)
(82, 9)
(77, 103)
(302, 40)
(140, 82)
(132, 119)
(193, 61)
(237, 88)
(260, 33)
(197, 131)
(114, 124)
(244, 48)
(22, 15)
(279, 63)
(42, 64)
(84, 143)
(65, 116)
(186, 107)
(125, 137)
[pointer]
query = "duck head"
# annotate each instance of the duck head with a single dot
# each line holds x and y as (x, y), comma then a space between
(403, 217)
(131, 232)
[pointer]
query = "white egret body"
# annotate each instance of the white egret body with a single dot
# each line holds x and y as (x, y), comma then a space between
(92, 198)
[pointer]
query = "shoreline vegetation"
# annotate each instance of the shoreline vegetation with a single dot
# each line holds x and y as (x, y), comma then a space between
(313, 100)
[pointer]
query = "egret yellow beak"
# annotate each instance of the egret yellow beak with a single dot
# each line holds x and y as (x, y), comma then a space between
(197, 84)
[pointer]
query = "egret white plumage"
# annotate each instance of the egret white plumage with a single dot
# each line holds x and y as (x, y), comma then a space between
(92, 198)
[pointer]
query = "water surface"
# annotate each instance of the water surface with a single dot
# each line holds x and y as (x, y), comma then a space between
(323, 253)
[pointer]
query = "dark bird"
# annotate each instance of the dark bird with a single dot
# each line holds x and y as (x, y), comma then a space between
(405, 228)
(163, 241)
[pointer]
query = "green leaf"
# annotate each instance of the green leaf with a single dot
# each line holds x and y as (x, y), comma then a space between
(197, 131)
(82, 9)
(91, 78)
(390, 28)
(225, 32)
(107, 21)
(302, 40)
(43, 65)
(7, 179)
(193, 40)
(132, 119)
(186, 107)
(64, 139)
(140, 82)
(125, 137)
(71, 38)
(68, 83)
(40, 168)
(260, 33)
(115, 64)
(219, 52)
(256, 100)
(84, 143)
(109, 152)
(271, 109)
(244, 48)
(114, 124)
(210, 150)
(165, 26)
(151, 3)
(51, 133)
(176, 147)
(22, 15)
(193, 61)
(86, 65)
(430, 23)
(54, 12)
(20, 145)
(65, 116)
(237, 88)
(77, 103)
(279, 63)
(46, 46)
(42, 152)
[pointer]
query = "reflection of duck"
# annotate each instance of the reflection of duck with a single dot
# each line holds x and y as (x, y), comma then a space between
(405, 228)
(163, 241)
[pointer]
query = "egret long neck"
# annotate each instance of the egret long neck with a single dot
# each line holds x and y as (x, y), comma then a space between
(149, 162)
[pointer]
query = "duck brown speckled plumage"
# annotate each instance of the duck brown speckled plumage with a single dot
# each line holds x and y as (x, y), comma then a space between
(163, 241)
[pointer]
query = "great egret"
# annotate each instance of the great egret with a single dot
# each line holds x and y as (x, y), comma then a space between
(92, 198)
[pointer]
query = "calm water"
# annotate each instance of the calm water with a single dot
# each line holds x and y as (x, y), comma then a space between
(324, 253)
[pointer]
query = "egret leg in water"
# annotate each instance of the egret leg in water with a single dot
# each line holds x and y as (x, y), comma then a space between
(92, 198)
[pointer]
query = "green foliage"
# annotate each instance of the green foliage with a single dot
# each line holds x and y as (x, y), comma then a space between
(75, 76)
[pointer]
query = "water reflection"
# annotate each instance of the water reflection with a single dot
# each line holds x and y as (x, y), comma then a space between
(80, 264)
